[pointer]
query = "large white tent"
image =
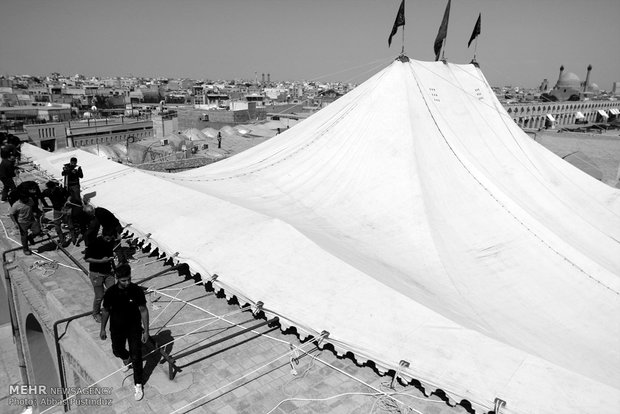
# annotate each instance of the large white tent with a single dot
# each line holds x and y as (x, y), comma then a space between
(413, 220)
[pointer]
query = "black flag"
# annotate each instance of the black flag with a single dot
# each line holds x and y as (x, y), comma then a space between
(400, 21)
(443, 31)
(476, 31)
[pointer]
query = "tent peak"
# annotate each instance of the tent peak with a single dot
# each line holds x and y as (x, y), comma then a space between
(403, 58)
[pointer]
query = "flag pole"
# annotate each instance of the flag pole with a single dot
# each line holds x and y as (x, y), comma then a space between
(443, 49)
(475, 48)
(402, 49)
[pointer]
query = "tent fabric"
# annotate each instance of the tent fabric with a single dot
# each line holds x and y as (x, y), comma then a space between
(413, 220)
(603, 113)
(614, 111)
(550, 117)
(579, 115)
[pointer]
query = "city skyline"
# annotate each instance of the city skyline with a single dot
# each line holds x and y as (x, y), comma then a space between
(342, 40)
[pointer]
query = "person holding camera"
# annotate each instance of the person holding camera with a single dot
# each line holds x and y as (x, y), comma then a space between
(72, 173)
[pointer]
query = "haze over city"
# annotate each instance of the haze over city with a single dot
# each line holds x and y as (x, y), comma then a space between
(521, 42)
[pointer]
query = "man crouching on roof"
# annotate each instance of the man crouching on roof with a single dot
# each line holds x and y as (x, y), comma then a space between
(125, 305)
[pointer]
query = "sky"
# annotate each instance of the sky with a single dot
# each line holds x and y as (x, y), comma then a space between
(522, 41)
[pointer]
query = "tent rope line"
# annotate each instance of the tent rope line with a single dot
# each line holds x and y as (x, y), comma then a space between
(172, 325)
(108, 177)
(510, 213)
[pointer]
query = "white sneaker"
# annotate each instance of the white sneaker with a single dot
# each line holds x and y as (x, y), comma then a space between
(139, 393)
(126, 364)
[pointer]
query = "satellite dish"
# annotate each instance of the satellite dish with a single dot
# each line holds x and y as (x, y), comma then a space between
(162, 103)
(94, 108)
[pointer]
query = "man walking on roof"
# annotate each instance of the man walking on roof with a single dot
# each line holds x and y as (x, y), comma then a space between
(125, 305)
(100, 257)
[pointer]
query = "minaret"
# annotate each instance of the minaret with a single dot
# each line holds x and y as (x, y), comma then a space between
(560, 77)
(263, 79)
(587, 82)
(269, 78)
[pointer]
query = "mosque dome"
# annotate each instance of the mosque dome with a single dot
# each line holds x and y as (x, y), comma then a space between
(568, 80)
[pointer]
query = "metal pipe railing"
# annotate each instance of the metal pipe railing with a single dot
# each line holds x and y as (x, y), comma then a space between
(13, 316)
(61, 371)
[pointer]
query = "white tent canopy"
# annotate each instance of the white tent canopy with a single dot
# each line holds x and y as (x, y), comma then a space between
(413, 220)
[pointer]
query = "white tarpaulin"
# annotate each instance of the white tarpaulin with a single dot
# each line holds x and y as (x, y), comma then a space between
(413, 220)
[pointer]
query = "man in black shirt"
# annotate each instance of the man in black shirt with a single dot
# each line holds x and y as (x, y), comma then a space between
(58, 196)
(125, 305)
(101, 217)
(100, 258)
(72, 173)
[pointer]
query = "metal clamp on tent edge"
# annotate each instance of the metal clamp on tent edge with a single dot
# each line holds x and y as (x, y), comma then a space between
(401, 365)
(257, 308)
(323, 336)
(498, 405)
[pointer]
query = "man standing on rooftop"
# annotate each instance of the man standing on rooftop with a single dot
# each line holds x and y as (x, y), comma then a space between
(125, 305)
(72, 173)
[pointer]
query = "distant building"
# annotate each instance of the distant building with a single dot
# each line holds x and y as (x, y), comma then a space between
(570, 88)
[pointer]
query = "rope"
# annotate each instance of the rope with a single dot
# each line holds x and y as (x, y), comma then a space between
(47, 268)
(162, 311)
(230, 383)
(36, 253)
(222, 319)
(324, 399)
(171, 325)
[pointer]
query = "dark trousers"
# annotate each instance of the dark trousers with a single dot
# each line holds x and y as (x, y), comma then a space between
(34, 227)
(7, 185)
(132, 335)
(74, 190)
(58, 216)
